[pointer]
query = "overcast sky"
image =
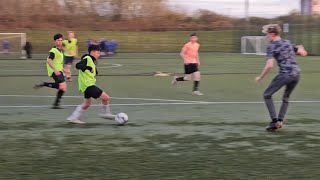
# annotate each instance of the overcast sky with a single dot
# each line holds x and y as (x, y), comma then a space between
(261, 8)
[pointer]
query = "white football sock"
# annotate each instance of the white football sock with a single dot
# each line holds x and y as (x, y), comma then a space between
(77, 113)
(106, 109)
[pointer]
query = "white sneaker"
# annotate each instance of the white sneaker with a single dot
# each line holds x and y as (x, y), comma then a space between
(197, 93)
(108, 116)
(174, 80)
(74, 121)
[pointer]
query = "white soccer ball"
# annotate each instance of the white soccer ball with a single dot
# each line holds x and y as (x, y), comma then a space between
(121, 118)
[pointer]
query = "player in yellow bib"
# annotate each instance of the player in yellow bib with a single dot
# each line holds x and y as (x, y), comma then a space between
(87, 85)
(70, 47)
(55, 70)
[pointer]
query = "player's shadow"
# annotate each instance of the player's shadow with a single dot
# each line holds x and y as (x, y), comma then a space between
(82, 126)
(94, 125)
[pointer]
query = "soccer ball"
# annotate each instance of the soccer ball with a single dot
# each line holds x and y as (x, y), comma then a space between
(121, 118)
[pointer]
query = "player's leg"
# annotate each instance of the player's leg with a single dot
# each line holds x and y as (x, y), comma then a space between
(196, 81)
(187, 75)
(62, 88)
(6, 51)
(28, 52)
(53, 85)
(59, 84)
(68, 72)
(285, 99)
(68, 60)
(106, 111)
(75, 116)
(277, 83)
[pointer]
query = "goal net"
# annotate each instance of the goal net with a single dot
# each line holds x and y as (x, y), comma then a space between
(254, 45)
(12, 45)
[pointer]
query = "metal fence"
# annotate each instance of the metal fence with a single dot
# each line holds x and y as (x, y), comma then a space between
(306, 34)
(228, 41)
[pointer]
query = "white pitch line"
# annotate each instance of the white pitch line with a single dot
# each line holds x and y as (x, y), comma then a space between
(151, 104)
(165, 101)
(138, 104)
(123, 98)
(24, 70)
(112, 66)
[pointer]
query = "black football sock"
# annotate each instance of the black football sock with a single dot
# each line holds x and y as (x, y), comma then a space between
(274, 120)
(58, 98)
(196, 85)
(180, 79)
(51, 85)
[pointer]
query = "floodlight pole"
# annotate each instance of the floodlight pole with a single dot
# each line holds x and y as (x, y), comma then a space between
(247, 17)
(246, 10)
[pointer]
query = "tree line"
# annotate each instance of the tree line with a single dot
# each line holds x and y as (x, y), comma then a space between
(132, 15)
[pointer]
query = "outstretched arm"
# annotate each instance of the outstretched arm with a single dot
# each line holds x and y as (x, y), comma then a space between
(266, 70)
(300, 50)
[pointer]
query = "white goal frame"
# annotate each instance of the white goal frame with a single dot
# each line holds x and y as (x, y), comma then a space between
(259, 46)
(23, 39)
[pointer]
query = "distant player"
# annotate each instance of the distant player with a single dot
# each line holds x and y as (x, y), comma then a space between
(70, 47)
(6, 46)
(284, 53)
(28, 49)
(87, 85)
(55, 70)
(190, 56)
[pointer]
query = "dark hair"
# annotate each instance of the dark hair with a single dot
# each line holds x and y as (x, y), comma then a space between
(193, 34)
(93, 47)
(57, 36)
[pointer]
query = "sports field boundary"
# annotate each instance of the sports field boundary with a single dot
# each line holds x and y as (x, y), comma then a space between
(161, 102)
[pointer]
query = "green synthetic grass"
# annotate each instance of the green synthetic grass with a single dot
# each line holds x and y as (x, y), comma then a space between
(162, 140)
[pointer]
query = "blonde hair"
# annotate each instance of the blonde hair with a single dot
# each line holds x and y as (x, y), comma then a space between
(271, 28)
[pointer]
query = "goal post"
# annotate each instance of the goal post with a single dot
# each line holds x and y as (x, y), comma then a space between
(254, 45)
(14, 43)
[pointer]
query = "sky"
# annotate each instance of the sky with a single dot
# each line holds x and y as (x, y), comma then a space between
(235, 8)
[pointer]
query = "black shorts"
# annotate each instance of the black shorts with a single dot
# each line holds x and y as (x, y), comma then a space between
(92, 92)
(68, 59)
(58, 79)
(190, 68)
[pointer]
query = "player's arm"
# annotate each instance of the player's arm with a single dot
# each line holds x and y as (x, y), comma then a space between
(50, 63)
(63, 47)
(77, 50)
(183, 52)
(198, 57)
(82, 65)
(300, 50)
(266, 69)
(269, 63)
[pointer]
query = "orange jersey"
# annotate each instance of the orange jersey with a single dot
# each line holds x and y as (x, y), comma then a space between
(190, 52)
